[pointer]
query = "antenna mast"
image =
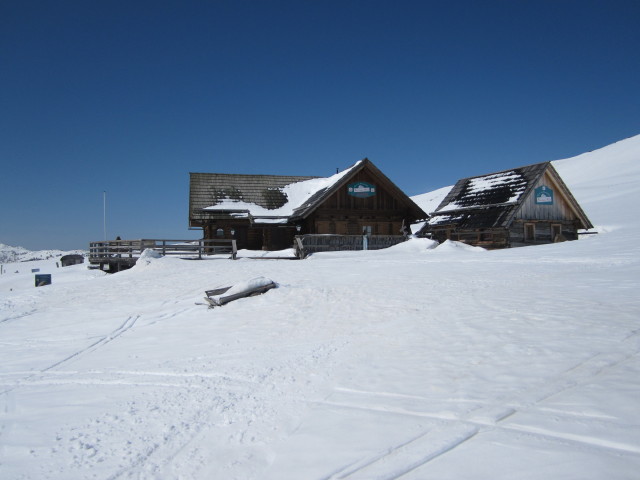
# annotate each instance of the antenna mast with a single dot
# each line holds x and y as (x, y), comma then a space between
(104, 213)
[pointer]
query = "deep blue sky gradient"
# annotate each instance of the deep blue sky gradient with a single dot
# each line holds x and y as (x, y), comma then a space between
(128, 97)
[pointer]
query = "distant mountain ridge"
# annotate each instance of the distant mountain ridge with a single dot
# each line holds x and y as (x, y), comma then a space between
(9, 254)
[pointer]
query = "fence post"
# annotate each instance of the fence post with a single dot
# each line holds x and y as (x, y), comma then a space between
(300, 246)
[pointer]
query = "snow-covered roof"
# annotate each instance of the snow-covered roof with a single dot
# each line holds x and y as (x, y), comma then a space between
(494, 189)
(491, 200)
(275, 201)
(487, 200)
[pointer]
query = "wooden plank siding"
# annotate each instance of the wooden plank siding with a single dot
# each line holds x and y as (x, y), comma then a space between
(381, 201)
(308, 244)
(543, 232)
(356, 226)
(560, 210)
(344, 214)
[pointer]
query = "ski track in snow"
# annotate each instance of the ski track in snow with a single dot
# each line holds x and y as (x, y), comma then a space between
(399, 460)
(126, 325)
(453, 430)
(402, 459)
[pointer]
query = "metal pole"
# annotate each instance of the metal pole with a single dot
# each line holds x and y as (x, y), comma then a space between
(104, 213)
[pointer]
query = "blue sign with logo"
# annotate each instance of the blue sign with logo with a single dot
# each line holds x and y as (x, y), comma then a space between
(544, 195)
(361, 190)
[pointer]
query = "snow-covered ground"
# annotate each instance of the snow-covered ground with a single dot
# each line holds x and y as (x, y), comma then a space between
(413, 362)
(10, 254)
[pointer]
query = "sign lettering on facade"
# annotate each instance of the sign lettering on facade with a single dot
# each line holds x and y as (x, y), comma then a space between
(544, 195)
(361, 189)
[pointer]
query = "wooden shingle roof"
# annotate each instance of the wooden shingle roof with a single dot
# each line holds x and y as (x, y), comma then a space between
(209, 189)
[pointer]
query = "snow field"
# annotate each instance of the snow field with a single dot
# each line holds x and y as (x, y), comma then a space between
(354, 365)
(413, 362)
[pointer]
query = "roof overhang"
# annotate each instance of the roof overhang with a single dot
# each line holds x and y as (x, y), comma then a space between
(243, 214)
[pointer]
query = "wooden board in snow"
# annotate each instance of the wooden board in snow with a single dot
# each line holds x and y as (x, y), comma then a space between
(223, 295)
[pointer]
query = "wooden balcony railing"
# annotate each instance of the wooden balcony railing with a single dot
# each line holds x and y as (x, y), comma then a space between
(124, 253)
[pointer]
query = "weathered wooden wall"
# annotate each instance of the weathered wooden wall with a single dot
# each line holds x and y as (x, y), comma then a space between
(560, 210)
(486, 238)
(307, 244)
(344, 214)
(251, 236)
(543, 232)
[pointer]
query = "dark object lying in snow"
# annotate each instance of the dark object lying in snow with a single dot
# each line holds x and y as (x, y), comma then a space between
(221, 296)
(72, 259)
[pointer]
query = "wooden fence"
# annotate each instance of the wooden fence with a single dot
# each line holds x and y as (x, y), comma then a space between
(121, 254)
(308, 244)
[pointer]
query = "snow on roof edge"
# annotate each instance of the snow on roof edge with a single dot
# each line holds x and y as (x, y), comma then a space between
(297, 194)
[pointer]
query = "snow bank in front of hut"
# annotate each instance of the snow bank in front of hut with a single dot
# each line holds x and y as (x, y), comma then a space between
(149, 255)
(286, 253)
(453, 246)
(413, 245)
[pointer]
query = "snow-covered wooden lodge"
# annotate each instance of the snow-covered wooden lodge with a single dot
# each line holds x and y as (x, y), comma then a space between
(522, 206)
(267, 211)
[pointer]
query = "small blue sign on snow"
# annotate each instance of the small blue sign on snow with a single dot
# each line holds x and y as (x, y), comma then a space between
(43, 279)
(361, 189)
(544, 195)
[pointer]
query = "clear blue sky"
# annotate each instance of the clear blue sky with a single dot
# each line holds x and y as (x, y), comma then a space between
(128, 97)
